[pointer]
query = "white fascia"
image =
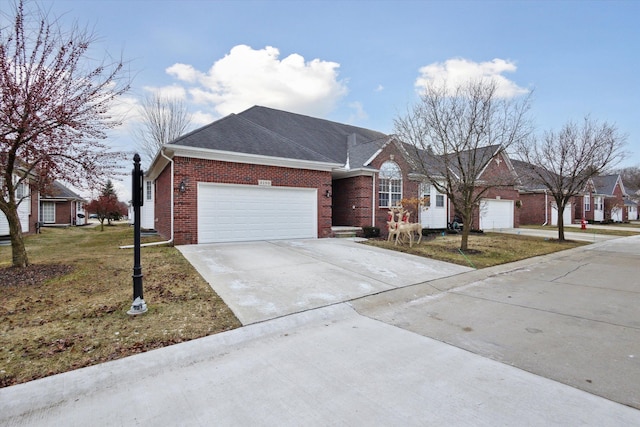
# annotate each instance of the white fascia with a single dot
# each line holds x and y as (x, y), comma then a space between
(234, 157)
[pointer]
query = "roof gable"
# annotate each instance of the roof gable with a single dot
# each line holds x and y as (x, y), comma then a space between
(606, 184)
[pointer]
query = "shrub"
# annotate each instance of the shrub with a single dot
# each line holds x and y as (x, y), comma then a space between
(370, 231)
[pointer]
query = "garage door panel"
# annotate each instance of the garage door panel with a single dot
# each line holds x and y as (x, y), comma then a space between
(566, 215)
(232, 213)
(496, 214)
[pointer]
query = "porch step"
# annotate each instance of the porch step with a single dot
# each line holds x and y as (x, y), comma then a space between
(342, 232)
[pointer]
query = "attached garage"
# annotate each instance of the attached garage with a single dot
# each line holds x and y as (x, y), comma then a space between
(566, 215)
(236, 213)
(496, 213)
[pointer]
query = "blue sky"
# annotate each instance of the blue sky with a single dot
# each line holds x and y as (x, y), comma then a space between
(358, 62)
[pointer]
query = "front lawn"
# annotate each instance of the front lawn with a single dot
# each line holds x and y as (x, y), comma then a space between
(68, 309)
(485, 250)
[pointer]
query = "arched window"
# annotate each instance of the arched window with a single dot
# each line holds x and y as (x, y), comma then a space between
(389, 185)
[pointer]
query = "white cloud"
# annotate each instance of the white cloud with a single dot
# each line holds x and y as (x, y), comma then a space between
(358, 112)
(454, 72)
(380, 88)
(247, 77)
(200, 118)
(173, 91)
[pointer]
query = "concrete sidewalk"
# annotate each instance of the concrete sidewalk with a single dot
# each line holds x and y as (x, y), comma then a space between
(571, 316)
(323, 367)
(553, 234)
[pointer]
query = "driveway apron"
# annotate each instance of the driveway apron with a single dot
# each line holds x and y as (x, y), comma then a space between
(269, 279)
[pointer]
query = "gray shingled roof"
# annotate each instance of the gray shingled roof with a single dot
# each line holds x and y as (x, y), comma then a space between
(59, 191)
(605, 184)
(275, 133)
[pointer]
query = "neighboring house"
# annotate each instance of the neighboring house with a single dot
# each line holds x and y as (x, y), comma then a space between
(603, 200)
(269, 174)
(632, 201)
(632, 209)
(147, 210)
(538, 207)
(61, 206)
(27, 210)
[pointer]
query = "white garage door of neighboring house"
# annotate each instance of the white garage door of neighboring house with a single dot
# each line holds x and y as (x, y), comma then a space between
(236, 213)
(23, 213)
(566, 215)
(496, 214)
(616, 214)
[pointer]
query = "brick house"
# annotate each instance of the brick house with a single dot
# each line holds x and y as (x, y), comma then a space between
(603, 200)
(61, 206)
(537, 205)
(268, 174)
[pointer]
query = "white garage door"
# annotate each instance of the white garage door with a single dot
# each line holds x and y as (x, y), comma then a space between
(566, 215)
(616, 214)
(236, 213)
(496, 214)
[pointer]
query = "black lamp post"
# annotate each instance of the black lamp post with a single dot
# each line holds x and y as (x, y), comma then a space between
(138, 306)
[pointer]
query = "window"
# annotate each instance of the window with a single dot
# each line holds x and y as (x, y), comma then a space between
(439, 201)
(48, 212)
(21, 191)
(597, 203)
(587, 202)
(389, 185)
(149, 193)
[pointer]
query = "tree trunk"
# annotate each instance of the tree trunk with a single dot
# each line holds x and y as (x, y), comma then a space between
(561, 223)
(18, 250)
(464, 243)
(466, 230)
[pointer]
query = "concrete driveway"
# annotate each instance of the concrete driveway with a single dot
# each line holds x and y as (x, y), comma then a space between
(265, 280)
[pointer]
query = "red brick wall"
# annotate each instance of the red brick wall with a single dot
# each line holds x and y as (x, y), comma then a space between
(34, 216)
(162, 208)
(532, 211)
(616, 201)
(352, 201)
(63, 213)
(193, 171)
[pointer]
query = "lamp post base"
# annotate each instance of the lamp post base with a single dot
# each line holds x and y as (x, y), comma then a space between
(137, 307)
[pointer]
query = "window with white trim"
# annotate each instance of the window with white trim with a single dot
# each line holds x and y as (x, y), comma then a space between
(22, 190)
(587, 202)
(439, 200)
(389, 185)
(597, 203)
(149, 190)
(48, 212)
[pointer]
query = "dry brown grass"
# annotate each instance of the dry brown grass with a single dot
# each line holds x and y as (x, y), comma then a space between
(79, 318)
(485, 250)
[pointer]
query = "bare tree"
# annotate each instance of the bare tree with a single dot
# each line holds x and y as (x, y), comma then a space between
(54, 111)
(564, 161)
(631, 177)
(164, 119)
(453, 134)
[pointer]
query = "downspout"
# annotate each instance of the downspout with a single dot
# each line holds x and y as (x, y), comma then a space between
(546, 208)
(166, 242)
(373, 200)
